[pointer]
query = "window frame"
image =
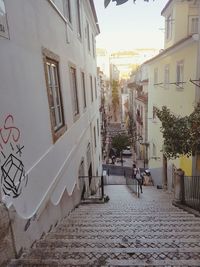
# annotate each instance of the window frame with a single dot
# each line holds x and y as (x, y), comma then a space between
(166, 76)
(88, 36)
(74, 90)
(95, 86)
(67, 10)
(154, 116)
(95, 137)
(78, 20)
(83, 89)
(193, 24)
(169, 27)
(180, 73)
(91, 89)
(155, 77)
(154, 150)
(49, 58)
(98, 127)
(93, 45)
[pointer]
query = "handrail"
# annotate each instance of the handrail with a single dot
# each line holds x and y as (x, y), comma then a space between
(192, 192)
(133, 184)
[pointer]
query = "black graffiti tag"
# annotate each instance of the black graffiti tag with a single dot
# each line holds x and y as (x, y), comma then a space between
(13, 176)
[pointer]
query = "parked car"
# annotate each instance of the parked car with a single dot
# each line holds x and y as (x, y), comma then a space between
(127, 152)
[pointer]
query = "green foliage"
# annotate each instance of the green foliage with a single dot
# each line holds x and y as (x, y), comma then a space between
(120, 142)
(181, 134)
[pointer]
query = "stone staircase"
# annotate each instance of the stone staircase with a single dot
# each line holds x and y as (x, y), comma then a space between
(126, 231)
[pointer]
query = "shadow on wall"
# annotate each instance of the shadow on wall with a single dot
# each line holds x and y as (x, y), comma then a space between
(156, 174)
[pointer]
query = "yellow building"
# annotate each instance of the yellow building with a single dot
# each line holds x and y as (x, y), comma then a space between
(169, 83)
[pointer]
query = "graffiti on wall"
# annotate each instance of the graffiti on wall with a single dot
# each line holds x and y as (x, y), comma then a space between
(13, 176)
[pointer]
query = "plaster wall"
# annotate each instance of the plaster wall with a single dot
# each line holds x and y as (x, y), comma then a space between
(50, 169)
(179, 100)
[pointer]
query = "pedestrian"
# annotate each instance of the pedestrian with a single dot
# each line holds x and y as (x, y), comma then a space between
(136, 175)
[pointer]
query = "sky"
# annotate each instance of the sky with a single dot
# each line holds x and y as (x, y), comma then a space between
(130, 26)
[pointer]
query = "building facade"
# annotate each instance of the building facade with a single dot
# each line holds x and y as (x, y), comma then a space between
(170, 75)
(49, 124)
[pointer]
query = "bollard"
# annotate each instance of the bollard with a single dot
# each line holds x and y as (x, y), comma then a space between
(179, 194)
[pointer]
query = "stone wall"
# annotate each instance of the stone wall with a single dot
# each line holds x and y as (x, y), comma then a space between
(6, 240)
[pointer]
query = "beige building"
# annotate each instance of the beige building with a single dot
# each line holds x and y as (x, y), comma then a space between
(170, 75)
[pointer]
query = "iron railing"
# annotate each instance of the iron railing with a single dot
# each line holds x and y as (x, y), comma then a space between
(191, 192)
(92, 187)
(133, 184)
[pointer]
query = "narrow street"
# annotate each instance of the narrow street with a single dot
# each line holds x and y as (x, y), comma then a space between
(126, 231)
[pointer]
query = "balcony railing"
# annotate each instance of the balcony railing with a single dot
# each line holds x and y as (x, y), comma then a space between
(192, 192)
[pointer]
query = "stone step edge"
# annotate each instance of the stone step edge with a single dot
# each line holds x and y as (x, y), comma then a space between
(119, 240)
(128, 224)
(157, 233)
(132, 228)
(104, 263)
(129, 213)
(116, 250)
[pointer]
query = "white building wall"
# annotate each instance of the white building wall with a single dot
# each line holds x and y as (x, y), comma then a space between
(51, 169)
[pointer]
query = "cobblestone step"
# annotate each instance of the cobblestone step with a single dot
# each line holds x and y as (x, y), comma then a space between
(104, 262)
(138, 235)
(133, 256)
(124, 232)
(145, 224)
(171, 228)
(119, 243)
(130, 213)
(130, 219)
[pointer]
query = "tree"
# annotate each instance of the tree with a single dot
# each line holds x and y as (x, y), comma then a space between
(120, 142)
(119, 2)
(181, 134)
(115, 98)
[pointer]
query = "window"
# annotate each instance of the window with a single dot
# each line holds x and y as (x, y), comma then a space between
(95, 140)
(91, 88)
(98, 127)
(54, 93)
(93, 45)
(166, 76)
(155, 76)
(84, 92)
(179, 73)
(95, 85)
(169, 27)
(194, 25)
(154, 150)
(67, 10)
(74, 91)
(78, 18)
(3, 21)
(88, 36)
(154, 113)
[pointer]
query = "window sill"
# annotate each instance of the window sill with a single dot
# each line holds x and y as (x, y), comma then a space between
(59, 133)
(76, 117)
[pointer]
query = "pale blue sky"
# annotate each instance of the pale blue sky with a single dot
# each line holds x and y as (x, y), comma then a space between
(130, 26)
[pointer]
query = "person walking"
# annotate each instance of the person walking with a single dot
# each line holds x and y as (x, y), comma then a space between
(136, 175)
